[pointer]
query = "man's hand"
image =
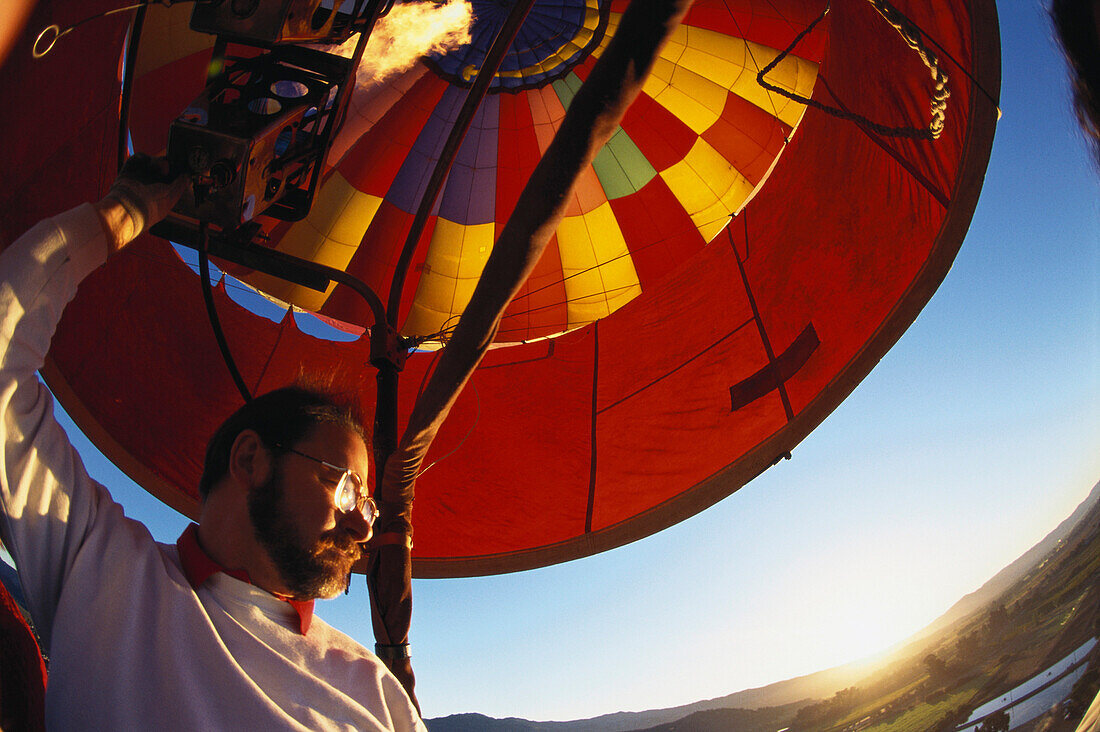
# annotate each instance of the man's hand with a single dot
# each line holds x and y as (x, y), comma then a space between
(143, 194)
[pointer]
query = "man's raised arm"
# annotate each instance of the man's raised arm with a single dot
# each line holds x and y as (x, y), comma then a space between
(48, 501)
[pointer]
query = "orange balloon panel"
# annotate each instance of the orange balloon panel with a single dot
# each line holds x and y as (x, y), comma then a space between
(729, 267)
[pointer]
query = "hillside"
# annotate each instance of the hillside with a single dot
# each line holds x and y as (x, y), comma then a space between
(1029, 614)
(789, 693)
(1004, 579)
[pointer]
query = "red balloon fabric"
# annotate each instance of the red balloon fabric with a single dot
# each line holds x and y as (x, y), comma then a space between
(756, 256)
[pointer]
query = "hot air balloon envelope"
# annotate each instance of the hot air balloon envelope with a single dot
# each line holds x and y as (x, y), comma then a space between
(730, 266)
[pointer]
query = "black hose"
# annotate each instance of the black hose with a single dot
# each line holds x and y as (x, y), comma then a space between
(212, 313)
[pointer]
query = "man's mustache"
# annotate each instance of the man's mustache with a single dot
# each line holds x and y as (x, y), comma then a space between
(342, 544)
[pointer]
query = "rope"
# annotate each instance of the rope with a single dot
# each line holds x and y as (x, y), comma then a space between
(38, 50)
(913, 38)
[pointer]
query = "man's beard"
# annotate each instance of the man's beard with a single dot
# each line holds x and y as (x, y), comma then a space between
(308, 572)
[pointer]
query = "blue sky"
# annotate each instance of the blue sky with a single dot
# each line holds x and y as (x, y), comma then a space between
(974, 437)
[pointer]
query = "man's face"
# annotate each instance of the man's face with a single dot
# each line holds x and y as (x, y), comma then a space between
(294, 518)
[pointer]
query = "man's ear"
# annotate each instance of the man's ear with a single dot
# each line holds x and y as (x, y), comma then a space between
(250, 462)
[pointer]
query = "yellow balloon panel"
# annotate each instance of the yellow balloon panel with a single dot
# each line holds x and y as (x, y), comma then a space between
(792, 73)
(596, 266)
(698, 67)
(329, 235)
(708, 187)
(456, 257)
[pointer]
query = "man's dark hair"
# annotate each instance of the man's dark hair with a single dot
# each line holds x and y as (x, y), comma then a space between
(1075, 21)
(281, 417)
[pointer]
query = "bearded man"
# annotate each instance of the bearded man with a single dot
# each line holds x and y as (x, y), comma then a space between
(216, 631)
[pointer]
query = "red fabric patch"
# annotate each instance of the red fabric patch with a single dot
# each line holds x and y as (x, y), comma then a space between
(22, 670)
(198, 566)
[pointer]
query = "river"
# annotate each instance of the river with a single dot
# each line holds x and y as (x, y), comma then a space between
(1036, 695)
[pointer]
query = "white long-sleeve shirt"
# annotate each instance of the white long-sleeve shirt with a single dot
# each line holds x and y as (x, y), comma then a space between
(131, 644)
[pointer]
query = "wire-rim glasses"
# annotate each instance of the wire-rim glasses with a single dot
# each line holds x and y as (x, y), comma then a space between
(351, 493)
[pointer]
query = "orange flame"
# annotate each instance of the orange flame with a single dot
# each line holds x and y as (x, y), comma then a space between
(407, 32)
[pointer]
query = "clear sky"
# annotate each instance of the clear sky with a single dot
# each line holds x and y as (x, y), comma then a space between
(975, 436)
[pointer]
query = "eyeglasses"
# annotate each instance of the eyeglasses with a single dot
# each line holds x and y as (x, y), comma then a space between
(350, 494)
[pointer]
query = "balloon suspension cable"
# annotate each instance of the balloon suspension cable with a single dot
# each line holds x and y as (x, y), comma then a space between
(212, 313)
(54, 32)
(469, 431)
(126, 95)
(913, 37)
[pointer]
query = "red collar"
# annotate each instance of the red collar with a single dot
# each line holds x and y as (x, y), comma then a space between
(198, 566)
